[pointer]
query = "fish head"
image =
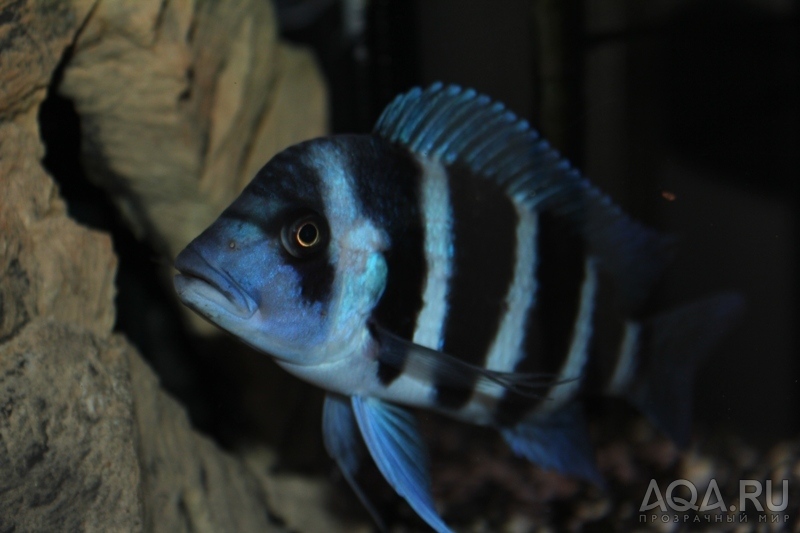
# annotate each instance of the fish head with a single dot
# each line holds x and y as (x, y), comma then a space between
(286, 268)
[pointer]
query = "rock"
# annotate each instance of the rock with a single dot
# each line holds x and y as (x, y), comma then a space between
(67, 456)
(188, 483)
(88, 440)
(91, 442)
(304, 501)
(182, 102)
(67, 433)
(33, 35)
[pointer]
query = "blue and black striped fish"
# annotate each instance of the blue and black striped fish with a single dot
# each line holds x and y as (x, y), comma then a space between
(451, 261)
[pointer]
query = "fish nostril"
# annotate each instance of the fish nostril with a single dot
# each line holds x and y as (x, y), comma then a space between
(232, 245)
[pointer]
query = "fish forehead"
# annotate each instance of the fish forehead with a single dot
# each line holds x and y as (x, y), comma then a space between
(331, 164)
(319, 174)
(290, 179)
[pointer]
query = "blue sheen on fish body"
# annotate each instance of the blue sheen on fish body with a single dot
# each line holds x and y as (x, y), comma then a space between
(450, 261)
(244, 258)
(290, 307)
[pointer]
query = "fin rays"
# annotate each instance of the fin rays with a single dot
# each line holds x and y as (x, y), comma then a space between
(457, 126)
(393, 441)
(424, 362)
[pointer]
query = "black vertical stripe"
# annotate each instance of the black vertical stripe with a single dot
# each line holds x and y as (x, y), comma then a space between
(316, 278)
(484, 240)
(287, 187)
(387, 187)
(391, 359)
(560, 273)
(291, 176)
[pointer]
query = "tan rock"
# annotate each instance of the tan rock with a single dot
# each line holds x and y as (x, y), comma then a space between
(68, 438)
(188, 483)
(180, 104)
(33, 36)
(166, 91)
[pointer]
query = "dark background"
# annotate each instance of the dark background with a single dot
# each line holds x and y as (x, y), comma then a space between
(699, 98)
(692, 100)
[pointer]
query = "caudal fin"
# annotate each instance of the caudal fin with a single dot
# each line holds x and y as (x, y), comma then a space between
(671, 346)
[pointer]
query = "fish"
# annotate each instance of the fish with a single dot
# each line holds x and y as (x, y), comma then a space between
(450, 261)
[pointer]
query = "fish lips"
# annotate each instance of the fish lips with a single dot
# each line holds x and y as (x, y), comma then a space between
(208, 290)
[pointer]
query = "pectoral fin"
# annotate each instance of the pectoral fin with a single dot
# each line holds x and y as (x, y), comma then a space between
(452, 372)
(391, 435)
(345, 446)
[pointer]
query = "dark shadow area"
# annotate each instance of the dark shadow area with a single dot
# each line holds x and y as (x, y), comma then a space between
(726, 79)
(367, 57)
(730, 84)
(146, 310)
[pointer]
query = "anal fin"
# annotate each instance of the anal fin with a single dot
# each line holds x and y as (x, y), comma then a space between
(558, 441)
(392, 438)
(344, 444)
(671, 346)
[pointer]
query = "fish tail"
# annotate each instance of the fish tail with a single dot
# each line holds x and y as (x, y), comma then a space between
(670, 347)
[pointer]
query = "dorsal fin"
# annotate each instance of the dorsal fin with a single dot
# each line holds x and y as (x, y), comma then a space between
(458, 126)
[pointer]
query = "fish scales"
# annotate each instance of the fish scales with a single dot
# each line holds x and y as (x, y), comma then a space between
(393, 204)
(451, 261)
(484, 242)
(464, 292)
(609, 327)
(437, 215)
(560, 272)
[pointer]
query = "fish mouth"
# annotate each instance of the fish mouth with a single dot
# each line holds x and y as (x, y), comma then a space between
(208, 290)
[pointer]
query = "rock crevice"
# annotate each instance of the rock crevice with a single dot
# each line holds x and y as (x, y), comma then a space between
(179, 103)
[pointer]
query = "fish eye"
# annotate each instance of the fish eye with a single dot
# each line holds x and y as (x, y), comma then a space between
(305, 235)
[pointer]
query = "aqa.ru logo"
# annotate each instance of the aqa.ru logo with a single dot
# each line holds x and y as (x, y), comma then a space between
(749, 491)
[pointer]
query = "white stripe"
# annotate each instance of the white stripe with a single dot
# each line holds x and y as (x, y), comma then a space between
(338, 196)
(623, 373)
(507, 349)
(437, 219)
(508, 346)
(572, 370)
(415, 385)
(355, 250)
(413, 388)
